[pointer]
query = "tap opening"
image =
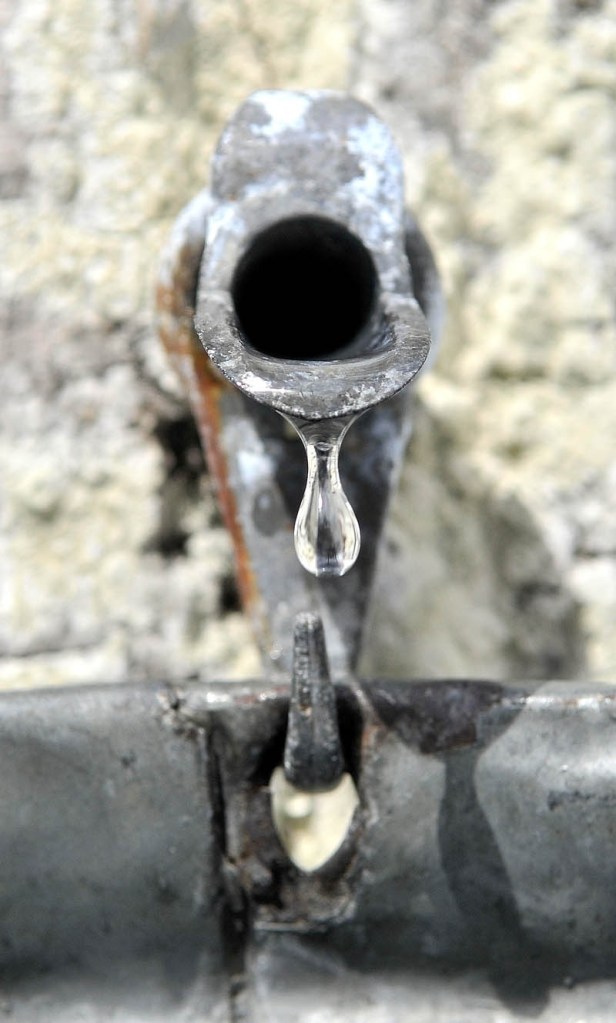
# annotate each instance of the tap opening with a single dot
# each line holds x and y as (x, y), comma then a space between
(305, 289)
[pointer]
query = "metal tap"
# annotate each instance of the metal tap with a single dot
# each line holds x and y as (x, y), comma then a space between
(313, 293)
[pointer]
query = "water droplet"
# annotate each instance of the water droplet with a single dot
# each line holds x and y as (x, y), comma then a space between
(327, 537)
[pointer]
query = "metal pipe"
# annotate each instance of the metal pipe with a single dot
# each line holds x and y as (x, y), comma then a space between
(313, 292)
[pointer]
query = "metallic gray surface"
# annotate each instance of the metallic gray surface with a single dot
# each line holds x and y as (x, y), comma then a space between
(292, 154)
(110, 884)
(284, 154)
(313, 760)
(142, 877)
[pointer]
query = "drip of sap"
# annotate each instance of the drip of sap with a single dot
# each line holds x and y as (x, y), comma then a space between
(327, 537)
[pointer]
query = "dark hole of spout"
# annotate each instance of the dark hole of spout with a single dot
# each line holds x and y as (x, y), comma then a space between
(304, 289)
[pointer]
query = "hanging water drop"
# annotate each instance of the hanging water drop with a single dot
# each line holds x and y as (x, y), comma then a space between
(327, 537)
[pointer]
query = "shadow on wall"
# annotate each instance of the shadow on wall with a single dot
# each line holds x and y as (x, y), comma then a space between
(466, 584)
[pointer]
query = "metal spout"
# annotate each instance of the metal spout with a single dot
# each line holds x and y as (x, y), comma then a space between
(314, 295)
(305, 299)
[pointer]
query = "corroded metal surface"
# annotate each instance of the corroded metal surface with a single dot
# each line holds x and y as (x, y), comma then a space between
(143, 879)
(313, 759)
(284, 156)
(175, 309)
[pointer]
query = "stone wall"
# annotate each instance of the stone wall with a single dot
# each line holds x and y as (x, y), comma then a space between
(504, 537)
(501, 553)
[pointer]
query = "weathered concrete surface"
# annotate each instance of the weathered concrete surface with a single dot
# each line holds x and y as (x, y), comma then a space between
(502, 548)
(503, 544)
(112, 562)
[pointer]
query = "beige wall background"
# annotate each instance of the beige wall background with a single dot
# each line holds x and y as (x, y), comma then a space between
(500, 558)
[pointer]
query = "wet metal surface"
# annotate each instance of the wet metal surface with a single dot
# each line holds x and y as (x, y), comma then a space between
(143, 879)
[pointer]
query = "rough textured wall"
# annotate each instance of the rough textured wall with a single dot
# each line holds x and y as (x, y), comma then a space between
(112, 561)
(501, 557)
(504, 538)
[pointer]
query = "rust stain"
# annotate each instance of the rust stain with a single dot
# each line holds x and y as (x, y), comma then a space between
(205, 388)
(436, 717)
(208, 418)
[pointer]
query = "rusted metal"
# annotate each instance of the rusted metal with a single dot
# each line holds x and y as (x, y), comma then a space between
(203, 384)
(313, 760)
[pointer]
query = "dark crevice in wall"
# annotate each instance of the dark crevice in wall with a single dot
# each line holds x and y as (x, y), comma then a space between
(229, 599)
(184, 469)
